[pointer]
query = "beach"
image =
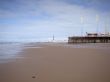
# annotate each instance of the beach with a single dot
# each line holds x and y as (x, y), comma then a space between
(52, 62)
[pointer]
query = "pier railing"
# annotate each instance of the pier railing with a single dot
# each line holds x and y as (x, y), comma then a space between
(87, 39)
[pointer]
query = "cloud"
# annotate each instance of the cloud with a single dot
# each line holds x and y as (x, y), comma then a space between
(99, 5)
(22, 8)
(47, 17)
(19, 8)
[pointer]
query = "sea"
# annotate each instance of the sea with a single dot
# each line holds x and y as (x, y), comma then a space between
(9, 50)
(12, 50)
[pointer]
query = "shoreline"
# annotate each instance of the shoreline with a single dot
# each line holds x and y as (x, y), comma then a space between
(57, 63)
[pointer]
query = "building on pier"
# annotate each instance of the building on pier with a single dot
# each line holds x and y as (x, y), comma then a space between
(90, 38)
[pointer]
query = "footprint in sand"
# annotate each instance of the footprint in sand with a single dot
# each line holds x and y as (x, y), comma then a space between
(35, 76)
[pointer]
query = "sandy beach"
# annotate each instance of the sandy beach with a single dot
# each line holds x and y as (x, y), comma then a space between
(57, 63)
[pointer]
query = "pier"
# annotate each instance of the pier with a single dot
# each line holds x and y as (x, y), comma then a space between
(90, 38)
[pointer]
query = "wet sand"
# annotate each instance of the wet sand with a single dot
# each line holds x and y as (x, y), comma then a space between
(53, 63)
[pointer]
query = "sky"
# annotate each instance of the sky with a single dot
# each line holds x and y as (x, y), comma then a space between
(39, 20)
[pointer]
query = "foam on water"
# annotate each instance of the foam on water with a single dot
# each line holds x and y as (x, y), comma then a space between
(12, 50)
(9, 50)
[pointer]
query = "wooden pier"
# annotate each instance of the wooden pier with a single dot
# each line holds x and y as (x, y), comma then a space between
(89, 39)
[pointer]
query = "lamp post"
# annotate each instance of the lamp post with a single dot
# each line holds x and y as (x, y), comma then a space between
(53, 37)
(97, 21)
(82, 24)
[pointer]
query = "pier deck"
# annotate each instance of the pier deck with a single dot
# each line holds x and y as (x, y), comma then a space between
(88, 39)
